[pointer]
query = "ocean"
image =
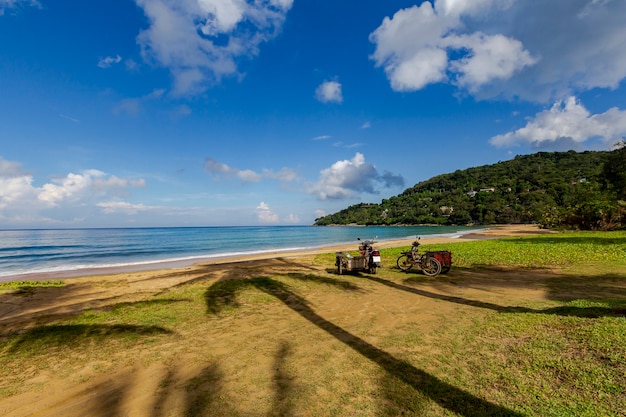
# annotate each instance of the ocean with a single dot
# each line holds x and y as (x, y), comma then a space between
(28, 253)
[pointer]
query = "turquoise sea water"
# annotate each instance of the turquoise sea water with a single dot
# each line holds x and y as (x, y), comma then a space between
(45, 251)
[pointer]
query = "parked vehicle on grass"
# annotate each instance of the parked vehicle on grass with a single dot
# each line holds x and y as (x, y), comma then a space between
(368, 260)
(431, 263)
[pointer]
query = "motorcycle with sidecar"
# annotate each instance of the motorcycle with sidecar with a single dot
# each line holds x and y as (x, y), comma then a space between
(368, 260)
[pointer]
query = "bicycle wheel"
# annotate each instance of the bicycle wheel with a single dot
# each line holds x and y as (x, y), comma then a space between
(404, 263)
(431, 267)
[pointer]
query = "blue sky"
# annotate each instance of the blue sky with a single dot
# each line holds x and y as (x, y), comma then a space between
(123, 113)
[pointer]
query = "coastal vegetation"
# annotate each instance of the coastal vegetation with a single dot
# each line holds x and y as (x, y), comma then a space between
(571, 190)
(524, 326)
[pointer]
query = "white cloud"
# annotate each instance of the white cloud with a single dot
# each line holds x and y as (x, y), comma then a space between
(21, 199)
(366, 125)
(567, 122)
(329, 92)
(346, 179)
(13, 4)
(15, 189)
(492, 48)
(319, 213)
(108, 61)
(493, 57)
(10, 169)
(215, 167)
(457, 8)
(201, 40)
(322, 137)
(70, 187)
(284, 174)
(265, 214)
(75, 187)
(414, 47)
(291, 219)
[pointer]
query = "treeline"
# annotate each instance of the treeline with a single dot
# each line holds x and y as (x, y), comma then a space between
(554, 189)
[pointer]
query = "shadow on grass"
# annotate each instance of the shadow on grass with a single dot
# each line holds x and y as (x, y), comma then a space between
(619, 310)
(42, 338)
(224, 293)
(344, 285)
(110, 402)
(203, 394)
(444, 394)
(284, 386)
(144, 303)
(447, 396)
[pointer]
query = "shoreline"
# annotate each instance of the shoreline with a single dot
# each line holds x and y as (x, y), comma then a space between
(490, 232)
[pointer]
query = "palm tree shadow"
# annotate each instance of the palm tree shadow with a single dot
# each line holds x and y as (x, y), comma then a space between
(587, 312)
(203, 394)
(42, 338)
(223, 293)
(446, 395)
(283, 382)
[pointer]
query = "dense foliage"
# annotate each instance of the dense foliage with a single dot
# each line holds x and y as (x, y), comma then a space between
(554, 189)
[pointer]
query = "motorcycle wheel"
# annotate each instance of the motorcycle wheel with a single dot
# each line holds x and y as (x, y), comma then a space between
(403, 263)
(431, 267)
(373, 269)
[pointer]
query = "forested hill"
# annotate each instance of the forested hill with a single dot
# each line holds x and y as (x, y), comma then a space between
(546, 187)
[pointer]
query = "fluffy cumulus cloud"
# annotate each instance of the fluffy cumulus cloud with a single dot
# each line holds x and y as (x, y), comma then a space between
(21, 199)
(415, 48)
(201, 40)
(220, 169)
(567, 123)
(329, 92)
(265, 214)
(348, 178)
(491, 48)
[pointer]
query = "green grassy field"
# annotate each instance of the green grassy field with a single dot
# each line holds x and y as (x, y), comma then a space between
(560, 355)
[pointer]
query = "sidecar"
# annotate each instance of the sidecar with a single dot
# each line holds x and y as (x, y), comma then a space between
(444, 257)
(345, 262)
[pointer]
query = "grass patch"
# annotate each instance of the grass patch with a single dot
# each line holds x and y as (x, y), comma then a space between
(588, 249)
(27, 287)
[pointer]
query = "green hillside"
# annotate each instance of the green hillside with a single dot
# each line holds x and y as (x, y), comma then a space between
(567, 189)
